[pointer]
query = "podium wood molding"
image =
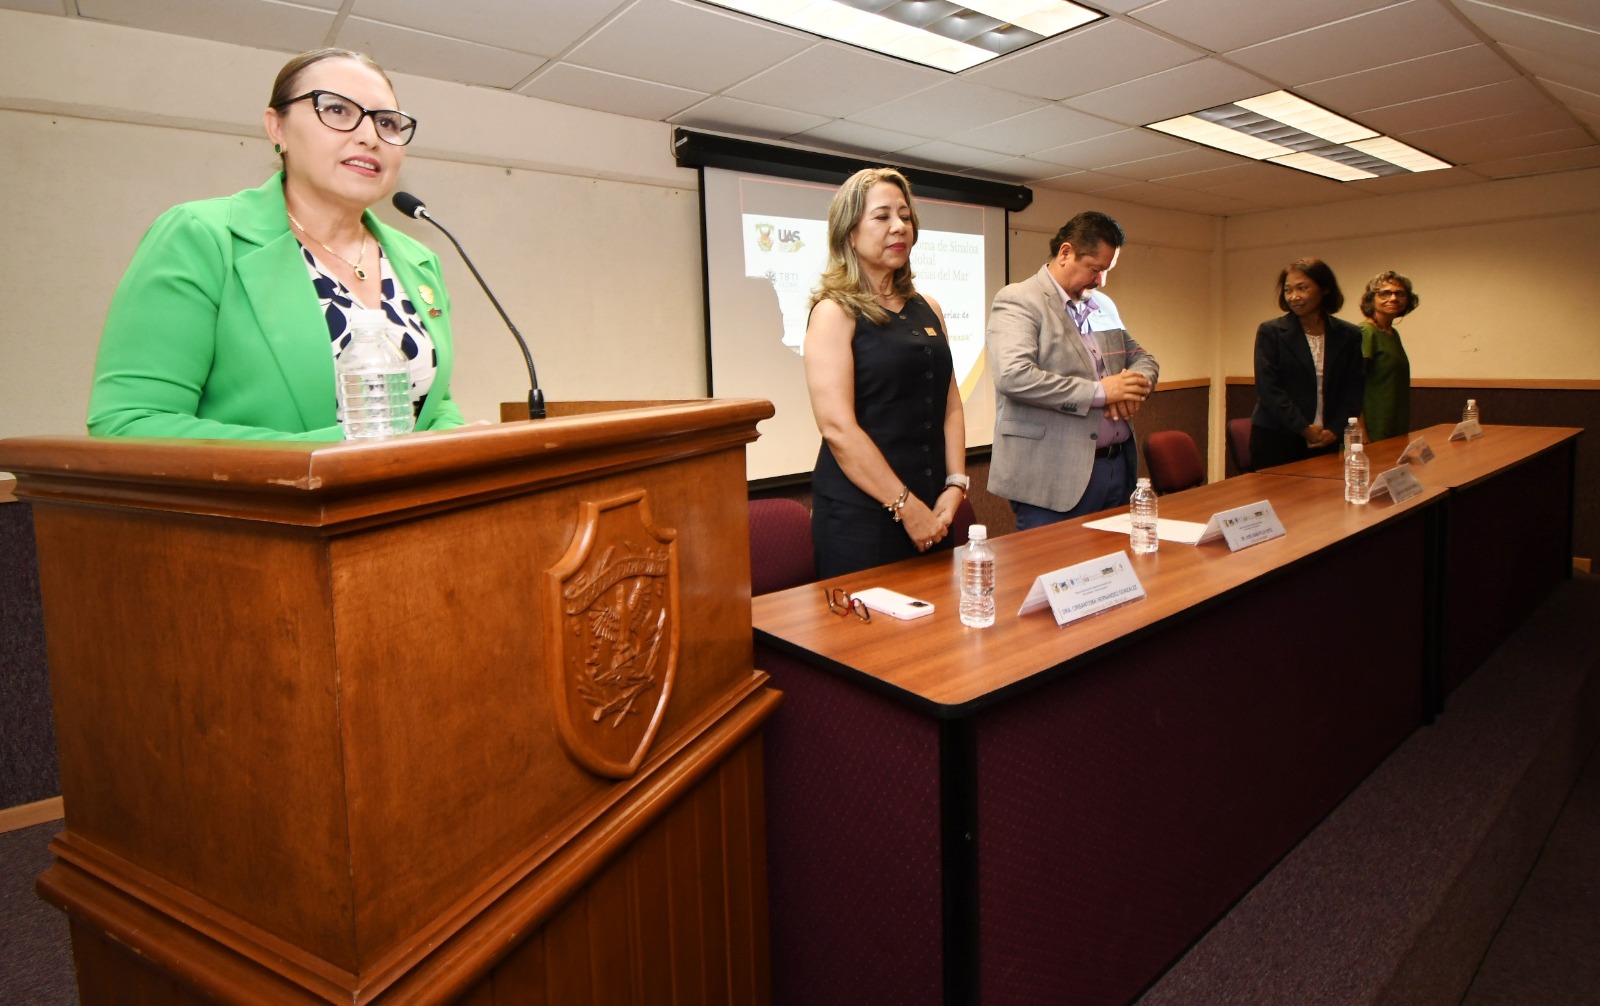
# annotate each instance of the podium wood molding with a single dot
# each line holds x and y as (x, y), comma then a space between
(309, 744)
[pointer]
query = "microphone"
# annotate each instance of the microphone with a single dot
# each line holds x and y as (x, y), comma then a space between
(411, 206)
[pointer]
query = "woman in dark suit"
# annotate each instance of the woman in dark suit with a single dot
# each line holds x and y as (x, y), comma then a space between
(1308, 369)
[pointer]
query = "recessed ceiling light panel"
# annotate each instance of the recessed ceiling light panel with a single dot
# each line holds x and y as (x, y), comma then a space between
(937, 33)
(1284, 129)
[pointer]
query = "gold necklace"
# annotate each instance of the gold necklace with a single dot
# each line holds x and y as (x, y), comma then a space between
(354, 266)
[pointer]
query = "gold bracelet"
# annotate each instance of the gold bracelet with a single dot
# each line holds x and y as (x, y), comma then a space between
(898, 504)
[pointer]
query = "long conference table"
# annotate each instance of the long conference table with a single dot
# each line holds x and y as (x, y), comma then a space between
(1032, 813)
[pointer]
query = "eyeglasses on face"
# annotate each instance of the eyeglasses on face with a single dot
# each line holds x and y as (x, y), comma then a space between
(1388, 293)
(338, 112)
(841, 603)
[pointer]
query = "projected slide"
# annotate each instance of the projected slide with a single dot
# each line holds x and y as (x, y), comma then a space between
(766, 245)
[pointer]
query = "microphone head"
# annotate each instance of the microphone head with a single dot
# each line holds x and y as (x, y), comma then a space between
(409, 204)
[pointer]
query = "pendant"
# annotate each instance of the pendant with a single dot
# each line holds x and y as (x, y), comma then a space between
(360, 272)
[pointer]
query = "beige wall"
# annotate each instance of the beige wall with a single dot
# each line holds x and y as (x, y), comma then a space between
(1506, 272)
(590, 234)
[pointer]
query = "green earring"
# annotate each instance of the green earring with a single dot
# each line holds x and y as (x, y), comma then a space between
(277, 148)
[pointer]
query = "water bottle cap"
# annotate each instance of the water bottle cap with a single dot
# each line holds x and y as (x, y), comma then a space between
(978, 532)
(1352, 420)
(367, 316)
(1471, 402)
(1143, 483)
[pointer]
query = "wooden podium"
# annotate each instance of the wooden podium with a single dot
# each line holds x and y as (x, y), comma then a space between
(464, 716)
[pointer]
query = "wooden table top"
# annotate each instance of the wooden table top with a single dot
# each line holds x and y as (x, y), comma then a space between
(941, 667)
(1456, 463)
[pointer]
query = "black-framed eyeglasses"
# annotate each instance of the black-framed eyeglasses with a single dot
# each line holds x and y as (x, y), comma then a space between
(1388, 293)
(841, 603)
(338, 112)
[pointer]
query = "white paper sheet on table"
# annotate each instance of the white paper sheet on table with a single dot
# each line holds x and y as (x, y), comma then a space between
(1184, 532)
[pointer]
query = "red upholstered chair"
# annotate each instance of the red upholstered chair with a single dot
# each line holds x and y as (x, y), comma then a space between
(1174, 461)
(780, 545)
(1239, 443)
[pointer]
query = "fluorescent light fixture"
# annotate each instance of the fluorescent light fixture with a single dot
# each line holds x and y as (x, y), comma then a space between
(1282, 128)
(1395, 152)
(938, 33)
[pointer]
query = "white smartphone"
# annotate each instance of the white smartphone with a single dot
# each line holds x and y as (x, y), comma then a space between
(892, 603)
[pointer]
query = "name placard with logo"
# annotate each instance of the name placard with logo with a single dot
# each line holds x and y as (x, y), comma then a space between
(1244, 526)
(1084, 589)
(1398, 482)
(1417, 452)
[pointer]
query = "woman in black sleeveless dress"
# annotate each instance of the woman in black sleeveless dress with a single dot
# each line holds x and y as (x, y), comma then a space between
(892, 468)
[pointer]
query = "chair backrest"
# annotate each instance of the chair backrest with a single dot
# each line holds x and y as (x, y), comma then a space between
(1174, 461)
(1239, 443)
(780, 545)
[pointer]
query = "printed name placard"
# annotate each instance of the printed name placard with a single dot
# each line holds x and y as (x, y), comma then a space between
(1417, 451)
(1469, 430)
(1398, 482)
(1088, 588)
(1244, 526)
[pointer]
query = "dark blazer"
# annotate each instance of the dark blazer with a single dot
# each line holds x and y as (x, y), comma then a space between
(1286, 376)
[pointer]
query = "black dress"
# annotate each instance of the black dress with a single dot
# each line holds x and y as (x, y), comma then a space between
(902, 382)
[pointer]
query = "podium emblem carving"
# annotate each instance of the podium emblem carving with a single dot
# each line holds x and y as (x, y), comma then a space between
(611, 636)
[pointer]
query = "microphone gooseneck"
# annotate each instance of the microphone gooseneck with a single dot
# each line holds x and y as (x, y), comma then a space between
(411, 206)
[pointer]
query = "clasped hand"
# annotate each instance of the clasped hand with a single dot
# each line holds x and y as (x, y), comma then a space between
(1125, 393)
(1318, 436)
(927, 527)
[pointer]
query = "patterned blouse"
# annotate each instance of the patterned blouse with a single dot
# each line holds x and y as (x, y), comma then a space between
(337, 301)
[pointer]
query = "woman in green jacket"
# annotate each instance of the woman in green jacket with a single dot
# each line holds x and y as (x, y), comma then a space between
(233, 311)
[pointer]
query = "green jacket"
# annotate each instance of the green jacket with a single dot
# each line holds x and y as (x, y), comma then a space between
(215, 330)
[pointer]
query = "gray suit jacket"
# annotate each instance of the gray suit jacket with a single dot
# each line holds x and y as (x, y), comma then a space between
(1045, 422)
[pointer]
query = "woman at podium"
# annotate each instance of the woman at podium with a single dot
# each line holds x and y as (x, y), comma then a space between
(892, 467)
(229, 319)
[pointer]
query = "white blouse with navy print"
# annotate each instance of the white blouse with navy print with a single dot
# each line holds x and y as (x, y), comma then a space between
(337, 301)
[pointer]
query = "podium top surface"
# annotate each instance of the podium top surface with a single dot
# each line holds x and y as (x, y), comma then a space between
(302, 483)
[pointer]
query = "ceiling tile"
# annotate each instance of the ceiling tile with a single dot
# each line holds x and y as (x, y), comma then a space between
(1082, 181)
(1409, 80)
(1462, 106)
(1485, 139)
(609, 92)
(1225, 25)
(1086, 59)
(1581, 76)
(1167, 165)
(1178, 91)
(1020, 169)
(1151, 194)
(1415, 181)
(1541, 164)
(1050, 126)
(733, 115)
(1405, 31)
(944, 154)
(1530, 31)
(834, 80)
(947, 109)
(542, 28)
(33, 6)
(1578, 102)
(857, 138)
(1576, 12)
(1503, 146)
(260, 24)
(696, 47)
(438, 57)
(1116, 148)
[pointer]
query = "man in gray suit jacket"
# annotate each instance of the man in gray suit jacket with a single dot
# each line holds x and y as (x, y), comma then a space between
(1068, 378)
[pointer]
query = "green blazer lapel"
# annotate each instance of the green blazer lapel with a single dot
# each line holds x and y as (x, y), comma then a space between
(273, 275)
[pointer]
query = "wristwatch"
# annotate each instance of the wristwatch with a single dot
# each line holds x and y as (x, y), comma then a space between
(961, 482)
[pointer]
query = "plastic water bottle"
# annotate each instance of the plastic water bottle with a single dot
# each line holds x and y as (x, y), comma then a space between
(1144, 512)
(374, 380)
(977, 579)
(1470, 413)
(1352, 434)
(1357, 476)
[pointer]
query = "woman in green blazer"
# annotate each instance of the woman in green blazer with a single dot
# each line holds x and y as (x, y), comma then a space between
(231, 315)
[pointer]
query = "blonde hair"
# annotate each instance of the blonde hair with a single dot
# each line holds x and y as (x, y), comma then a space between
(842, 281)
